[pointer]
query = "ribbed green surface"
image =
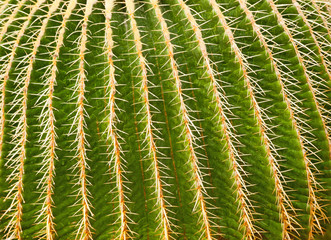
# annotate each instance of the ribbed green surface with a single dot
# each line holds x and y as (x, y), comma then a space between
(172, 119)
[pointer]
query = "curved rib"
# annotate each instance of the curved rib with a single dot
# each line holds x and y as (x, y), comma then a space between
(325, 22)
(166, 225)
(315, 208)
(17, 154)
(11, 18)
(84, 225)
(320, 52)
(186, 121)
(282, 197)
(226, 125)
(48, 130)
(312, 89)
(112, 134)
(247, 218)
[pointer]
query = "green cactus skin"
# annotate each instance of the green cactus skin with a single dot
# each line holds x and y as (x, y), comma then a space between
(175, 119)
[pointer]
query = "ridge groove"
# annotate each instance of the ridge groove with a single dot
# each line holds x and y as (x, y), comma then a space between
(112, 133)
(315, 208)
(47, 124)
(320, 51)
(313, 89)
(84, 228)
(17, 155)
(247, 218)
(165, 222)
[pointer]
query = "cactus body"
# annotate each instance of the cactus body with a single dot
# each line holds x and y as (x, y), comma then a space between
(167, 120)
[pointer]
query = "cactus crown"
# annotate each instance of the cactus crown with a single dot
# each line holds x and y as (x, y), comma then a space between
(175, 119)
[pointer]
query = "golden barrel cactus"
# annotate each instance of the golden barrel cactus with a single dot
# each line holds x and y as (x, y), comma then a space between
(165, 119)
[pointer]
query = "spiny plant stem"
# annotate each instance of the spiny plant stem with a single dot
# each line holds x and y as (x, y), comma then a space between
(311, 180)
(325, 21)
(166, 225)
(18, 154)
(247, 216)
(48, 126)
(125, 232)
(285, 207)
(218, 97)
(186, 121)
(219, 107)
(312, 88)
(321, 54)
(84, 225)
(10, 19)
(36, 45)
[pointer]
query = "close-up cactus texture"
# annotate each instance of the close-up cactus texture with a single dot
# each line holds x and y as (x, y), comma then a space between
(165, 119)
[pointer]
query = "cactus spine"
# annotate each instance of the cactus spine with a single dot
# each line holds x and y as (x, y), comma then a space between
(165, 119)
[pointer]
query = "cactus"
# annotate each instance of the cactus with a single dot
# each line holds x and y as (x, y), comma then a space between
(175, 119)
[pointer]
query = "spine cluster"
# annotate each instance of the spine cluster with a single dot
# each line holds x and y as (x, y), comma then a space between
(240, 149)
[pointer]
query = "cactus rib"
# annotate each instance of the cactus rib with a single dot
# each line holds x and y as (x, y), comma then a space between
(11, 18)
(246, 206)
(310, 83)
(84, 230)
(4, 5)
(17, 155)
(294, 111)
(9, 21)
(125, 232)
(177, 119)
(165, 222)
(320, 51)
(49, 132)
